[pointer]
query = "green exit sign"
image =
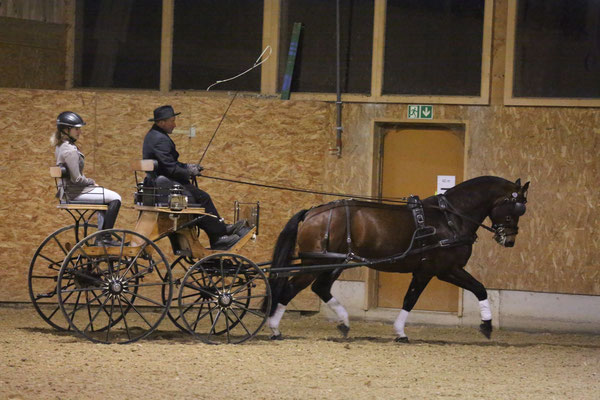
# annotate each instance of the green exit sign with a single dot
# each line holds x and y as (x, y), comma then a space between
(420, 112)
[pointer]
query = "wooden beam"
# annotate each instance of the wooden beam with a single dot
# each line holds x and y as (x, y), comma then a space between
(271, 26)
(70, 20)
(379, 15)
(166, 46)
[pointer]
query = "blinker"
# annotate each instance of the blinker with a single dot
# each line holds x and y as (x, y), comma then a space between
(520, 209)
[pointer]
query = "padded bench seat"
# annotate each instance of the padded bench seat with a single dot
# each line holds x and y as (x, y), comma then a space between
(165, 209)
(82, 206)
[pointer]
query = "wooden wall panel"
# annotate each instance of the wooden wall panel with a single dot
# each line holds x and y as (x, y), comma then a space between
(556, 148)
(259, 140)
(286, 143)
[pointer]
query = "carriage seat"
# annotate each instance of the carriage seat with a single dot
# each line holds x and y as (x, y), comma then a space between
(60, 173)
(156, 195)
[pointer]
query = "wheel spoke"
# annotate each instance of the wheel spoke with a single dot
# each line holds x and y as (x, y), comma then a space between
(124, 319)
(212, 328)
(241, 322)
(149, 300)
(251, 311)
(134, 308)
(110, 319)
(92, 319)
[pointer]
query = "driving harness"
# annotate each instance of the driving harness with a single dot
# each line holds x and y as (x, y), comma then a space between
(417, 244)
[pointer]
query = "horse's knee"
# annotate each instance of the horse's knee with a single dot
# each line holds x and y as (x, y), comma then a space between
(480, 292)
(322, 289)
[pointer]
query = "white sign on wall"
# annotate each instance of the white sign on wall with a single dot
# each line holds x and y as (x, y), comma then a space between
(445, 182)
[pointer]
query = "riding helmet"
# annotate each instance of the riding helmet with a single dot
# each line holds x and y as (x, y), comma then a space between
(69, 119)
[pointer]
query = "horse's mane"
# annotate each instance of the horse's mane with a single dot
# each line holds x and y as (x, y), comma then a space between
(478, 181)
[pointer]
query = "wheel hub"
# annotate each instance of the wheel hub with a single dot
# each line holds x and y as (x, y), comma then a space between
(225, 300)
(115, 287)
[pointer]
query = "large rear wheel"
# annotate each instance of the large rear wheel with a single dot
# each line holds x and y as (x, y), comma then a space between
(122, 291)
(178, 270)
(224, 298)
(44, 268)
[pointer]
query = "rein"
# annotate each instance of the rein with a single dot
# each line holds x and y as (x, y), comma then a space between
(445, 206)
(292, 189)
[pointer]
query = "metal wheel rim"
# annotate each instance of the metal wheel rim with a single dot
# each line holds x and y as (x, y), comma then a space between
(222, 307)
(122, 293)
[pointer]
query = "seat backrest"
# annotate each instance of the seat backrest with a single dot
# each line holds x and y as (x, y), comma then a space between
(58, 172)
(147, 165)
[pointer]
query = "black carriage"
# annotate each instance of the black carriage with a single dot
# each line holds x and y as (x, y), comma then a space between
(120, 293)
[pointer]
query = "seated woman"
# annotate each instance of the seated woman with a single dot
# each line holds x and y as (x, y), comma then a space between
(77, 187)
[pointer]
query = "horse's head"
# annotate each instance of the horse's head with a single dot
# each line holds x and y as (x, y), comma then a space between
(505, 214)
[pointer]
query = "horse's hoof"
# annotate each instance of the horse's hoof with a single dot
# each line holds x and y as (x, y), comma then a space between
(486, 328)
(344, 329)
(403, 339)
(276, 337)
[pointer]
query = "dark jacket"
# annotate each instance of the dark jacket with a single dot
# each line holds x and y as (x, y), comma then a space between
(159, 146)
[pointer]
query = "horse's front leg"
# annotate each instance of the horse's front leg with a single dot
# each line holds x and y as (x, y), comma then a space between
(416, 287)
(463, 279)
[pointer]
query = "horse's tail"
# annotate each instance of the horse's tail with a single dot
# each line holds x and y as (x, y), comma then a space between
(282, 255)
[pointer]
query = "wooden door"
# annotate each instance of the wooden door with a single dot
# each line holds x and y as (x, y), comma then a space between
(412, 159)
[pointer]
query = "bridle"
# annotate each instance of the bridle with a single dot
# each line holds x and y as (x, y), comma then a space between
(498, 229)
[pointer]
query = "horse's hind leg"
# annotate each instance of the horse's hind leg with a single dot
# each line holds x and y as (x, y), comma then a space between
(416, 287)
(322, 287)
(463, 279)
(292, 287)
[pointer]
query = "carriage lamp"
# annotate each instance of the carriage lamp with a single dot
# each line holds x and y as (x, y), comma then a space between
(177, 200)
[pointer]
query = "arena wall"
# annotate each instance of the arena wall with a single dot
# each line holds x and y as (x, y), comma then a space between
(287, 142)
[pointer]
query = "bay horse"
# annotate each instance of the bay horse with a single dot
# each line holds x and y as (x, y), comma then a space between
(428, 238)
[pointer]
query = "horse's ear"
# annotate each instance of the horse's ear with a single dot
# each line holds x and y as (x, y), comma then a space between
(525, 187)
(518, 182)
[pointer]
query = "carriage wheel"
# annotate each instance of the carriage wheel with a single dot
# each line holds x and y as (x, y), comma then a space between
(43, 271)
(178, 270)
(224, 298)
(119, 290)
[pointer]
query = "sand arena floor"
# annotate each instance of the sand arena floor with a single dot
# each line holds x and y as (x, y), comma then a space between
(37, 362)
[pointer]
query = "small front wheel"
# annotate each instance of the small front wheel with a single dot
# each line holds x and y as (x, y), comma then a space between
(122, 291)
(224, 298)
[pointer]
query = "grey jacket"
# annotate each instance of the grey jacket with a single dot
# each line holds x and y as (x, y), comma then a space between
(69, 156)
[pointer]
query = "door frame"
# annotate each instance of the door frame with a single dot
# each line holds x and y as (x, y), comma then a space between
(378, 128)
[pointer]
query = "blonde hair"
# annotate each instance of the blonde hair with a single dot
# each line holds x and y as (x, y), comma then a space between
(55, 138)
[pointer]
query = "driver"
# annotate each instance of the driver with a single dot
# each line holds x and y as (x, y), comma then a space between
(159, 146)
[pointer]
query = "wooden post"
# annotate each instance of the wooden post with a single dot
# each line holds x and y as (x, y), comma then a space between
(166, 46)
(378, 49)
(271, 25)
(69, 18)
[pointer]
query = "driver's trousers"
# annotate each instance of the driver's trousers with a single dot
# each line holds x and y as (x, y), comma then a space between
(214, 227)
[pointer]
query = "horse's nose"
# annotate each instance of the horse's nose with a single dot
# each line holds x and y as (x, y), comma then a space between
(509, 244)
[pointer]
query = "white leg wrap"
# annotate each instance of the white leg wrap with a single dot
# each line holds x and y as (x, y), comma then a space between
(339, 310)
(400, 322)
(484, 307)
(274, 320)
